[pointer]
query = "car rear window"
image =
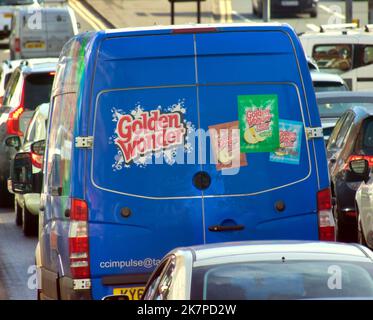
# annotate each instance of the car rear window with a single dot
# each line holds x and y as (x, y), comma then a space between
(368, 137)
(283, 280)
(326, 86)
(38, 89)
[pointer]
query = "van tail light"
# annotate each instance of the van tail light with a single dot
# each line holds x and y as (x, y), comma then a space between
(13, 122)
(17, 45)
(78, 240)
(325, 215)
(358, 157)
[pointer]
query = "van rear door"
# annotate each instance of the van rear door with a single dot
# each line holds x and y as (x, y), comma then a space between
(59, 30)
(33, 34)
(141, 205)
(253, 84)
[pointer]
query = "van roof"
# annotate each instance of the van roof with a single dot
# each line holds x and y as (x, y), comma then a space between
(25, 10)
(220, 26)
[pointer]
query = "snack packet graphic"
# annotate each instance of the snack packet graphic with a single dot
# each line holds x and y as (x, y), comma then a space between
(225, 141)
(259, 124)
(290, 143)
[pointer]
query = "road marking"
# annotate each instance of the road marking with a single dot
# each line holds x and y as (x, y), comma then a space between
(87, 15)
(337, 14)
(313, 27)
(240, 16)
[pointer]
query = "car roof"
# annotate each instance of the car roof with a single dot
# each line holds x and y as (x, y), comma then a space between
(39, 65)
(215, 251)
(326, 77)
(346, 95)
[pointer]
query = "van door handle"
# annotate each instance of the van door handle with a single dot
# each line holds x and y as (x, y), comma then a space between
(219, 228)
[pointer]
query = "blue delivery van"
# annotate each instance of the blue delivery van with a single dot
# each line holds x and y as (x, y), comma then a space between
(176, 136)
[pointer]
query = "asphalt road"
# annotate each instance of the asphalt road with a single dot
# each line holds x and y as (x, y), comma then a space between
(17, 270)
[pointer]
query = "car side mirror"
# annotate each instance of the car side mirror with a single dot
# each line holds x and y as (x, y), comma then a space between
(21, 174)
(360, 170)
(38, 148)
(13, 142)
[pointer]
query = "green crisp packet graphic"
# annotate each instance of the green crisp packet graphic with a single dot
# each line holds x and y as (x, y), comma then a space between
(259, 123)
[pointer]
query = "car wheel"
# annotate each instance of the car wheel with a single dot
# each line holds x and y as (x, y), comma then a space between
(314, 13)
(6, 198)
(29, 223)
(18, 212)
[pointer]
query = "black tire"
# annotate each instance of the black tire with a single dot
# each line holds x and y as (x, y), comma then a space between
(314, 13)
(30, 223)
(18, 213)
(6, 198)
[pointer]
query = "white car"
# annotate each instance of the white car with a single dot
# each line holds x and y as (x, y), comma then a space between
(7, 9)
(323, 82)
(270, 270)
(343, 50)
(364, 201)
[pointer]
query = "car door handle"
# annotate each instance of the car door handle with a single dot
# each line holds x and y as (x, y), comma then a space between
(219, 228)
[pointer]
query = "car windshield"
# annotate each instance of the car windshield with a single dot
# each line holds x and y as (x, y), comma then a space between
(335, 109)
(327, 86)
(40, 83)
(284, 280)
(15, 2)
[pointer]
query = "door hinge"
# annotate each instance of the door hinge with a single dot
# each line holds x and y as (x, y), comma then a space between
(84, 142)
(314, 133)
(83, 284)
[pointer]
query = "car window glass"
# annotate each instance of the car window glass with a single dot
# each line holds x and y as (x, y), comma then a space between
(154, 281)
(165, 283)
(333, 57)
(11, 88)
(368, 135)
(60, 144)
(364, 55)
(30, 134)
(335, 132)
(344, 130)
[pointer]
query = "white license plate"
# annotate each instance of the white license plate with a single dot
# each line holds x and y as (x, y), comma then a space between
(290, 3)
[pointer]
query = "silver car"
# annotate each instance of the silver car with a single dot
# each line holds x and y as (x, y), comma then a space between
(275, 270)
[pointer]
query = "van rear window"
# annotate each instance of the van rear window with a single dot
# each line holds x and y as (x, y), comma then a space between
(40, 83)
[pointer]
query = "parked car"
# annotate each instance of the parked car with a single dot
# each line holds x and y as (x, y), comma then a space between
(8, 8)
(362, 171)
(6, 69)
(333, 104)
(344, 50)
(57, 26)
(29, 86)
(27, 205)
(351, 139)
(287, 6)
(326, 82)
(264, 271)
(102, 190)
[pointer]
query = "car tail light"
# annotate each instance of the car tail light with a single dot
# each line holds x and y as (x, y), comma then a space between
(325, 215)
(78, 240)
(13, 122)
(17, 45)
(358, 157)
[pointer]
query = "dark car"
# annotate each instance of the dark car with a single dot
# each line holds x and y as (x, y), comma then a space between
(29, 86)
(333, 104)
(351, 139)
(287, 6)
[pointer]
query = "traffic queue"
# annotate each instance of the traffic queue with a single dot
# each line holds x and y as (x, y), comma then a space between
(190, 162)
